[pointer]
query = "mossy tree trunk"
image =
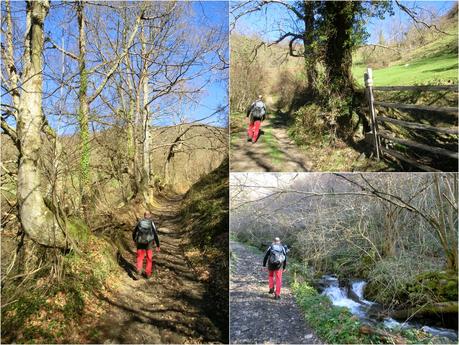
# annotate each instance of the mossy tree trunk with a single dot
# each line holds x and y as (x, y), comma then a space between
(310, 56)
(86, 98)
(339, 21)
(37, 220)
(83, 111)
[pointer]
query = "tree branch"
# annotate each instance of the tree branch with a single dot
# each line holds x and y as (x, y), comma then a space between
(120, 58)
(413, 16)
(62, 50)
(10, 132)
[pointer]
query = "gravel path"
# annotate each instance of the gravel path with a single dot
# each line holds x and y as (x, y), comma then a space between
(255, 317)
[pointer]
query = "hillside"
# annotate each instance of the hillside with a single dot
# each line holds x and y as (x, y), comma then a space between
(182, 154)
(206, 215)
(423, 57)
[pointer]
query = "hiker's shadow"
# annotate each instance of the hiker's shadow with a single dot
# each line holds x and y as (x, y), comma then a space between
(126, 265)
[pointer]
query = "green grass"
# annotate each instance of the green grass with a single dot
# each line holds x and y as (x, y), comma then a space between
(238, 125)
(423, 71)
(435, 62)
(274, 152)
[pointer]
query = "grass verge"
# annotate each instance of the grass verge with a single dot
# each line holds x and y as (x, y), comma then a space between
(205, 213)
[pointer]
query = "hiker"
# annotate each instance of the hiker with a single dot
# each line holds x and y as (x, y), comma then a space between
(276, 257)
(144, 234)
(256, 113)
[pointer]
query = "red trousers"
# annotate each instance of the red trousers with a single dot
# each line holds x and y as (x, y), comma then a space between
(278, 275)
(140, 255)
(254, 130)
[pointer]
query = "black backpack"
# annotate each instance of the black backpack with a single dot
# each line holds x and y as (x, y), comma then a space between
(276, 258)
(144, 233)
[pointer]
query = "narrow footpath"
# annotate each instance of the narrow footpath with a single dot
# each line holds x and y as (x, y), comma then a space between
(255, 317)
(171, 307)
(274, 150)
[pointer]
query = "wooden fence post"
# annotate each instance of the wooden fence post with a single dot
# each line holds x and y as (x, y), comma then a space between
(368, 77)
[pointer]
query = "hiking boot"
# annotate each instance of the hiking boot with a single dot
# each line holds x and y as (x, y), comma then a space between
(276, 296)
(271, 290)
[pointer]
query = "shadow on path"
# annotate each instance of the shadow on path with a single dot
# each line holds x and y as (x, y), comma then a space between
(171, 307)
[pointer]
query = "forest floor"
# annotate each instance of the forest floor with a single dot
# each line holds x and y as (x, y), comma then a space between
(255, 316)
(171, 307)
(274, 150)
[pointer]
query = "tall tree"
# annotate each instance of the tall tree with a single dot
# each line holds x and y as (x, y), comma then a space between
(37, 220)
(107, 68)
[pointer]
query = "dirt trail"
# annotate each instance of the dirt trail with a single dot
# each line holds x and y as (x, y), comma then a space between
(274, 150)
(255, 316)
(170, 307)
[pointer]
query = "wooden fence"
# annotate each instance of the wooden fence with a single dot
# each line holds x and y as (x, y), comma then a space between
(379, 135)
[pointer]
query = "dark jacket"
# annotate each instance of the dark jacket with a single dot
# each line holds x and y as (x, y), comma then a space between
(278, 247)
(149, 245)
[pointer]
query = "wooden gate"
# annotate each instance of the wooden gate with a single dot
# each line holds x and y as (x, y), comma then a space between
(382, 137)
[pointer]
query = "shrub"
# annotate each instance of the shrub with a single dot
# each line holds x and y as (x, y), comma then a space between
(389, 278)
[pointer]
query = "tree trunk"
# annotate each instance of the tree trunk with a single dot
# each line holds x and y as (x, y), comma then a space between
(446, 222)
(83, 111)
(146, 141)
(338, 56)
(390, 237)
(309, 51)
(427, 310)
(37, 220)
(142, 99)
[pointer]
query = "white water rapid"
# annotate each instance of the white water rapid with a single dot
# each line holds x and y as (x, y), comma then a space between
(339, 296)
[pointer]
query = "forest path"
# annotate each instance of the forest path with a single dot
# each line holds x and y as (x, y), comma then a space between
(255, 316)
(274, 150)
(168, 308)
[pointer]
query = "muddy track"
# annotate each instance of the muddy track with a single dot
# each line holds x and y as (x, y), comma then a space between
(168, 308)
(274, 150)
(255, 316)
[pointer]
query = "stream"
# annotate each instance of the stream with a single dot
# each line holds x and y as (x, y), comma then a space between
(353, 299)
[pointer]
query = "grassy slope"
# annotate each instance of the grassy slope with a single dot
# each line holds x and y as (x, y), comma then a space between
(434, 62)
(206, 216)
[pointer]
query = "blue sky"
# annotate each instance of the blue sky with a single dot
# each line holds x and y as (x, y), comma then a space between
(216, 93)
(203, 16)
(273, 18)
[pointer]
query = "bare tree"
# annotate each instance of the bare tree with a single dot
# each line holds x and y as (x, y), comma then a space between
(25, 88)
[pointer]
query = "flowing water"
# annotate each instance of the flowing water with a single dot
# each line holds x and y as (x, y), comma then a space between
(353, 299)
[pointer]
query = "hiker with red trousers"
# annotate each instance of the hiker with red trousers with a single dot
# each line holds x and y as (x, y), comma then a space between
(276, 257)
(256, 113)
(144, 234)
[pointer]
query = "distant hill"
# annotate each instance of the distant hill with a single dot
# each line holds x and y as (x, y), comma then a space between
(424, 56)
(194, 151)
(180, 156)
